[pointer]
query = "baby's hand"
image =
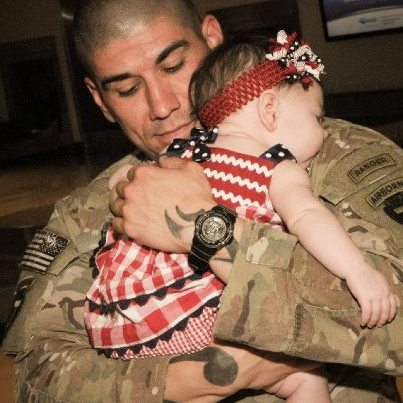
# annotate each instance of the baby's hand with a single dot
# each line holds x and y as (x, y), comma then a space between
(378, 304)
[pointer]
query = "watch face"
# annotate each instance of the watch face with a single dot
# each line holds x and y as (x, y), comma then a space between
(213, 230)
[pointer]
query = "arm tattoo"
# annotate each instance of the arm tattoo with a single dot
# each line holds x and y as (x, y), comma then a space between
(220, 368)
(232, 250)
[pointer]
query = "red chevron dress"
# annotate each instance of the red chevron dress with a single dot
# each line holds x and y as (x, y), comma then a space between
(144, 302)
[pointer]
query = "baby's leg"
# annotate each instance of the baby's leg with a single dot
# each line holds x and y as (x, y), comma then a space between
(303, 387)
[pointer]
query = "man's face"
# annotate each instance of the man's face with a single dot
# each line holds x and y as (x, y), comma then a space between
(141, 82)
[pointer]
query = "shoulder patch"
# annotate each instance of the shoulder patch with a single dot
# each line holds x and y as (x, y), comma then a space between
(365, 168)
(379, 195)
(42, 250)
(368, 167)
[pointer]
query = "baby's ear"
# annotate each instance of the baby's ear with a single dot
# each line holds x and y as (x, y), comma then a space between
(268, 106)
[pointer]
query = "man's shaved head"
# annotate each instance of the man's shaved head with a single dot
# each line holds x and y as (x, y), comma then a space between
(97, 22)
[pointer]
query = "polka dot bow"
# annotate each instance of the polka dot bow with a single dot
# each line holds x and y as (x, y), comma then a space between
(196, 143)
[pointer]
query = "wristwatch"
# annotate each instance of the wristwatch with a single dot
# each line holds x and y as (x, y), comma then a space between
(214, 229)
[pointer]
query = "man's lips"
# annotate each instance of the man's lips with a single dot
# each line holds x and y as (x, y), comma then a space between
(182, 131)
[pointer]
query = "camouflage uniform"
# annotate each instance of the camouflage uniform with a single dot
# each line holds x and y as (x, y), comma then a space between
(283, 302)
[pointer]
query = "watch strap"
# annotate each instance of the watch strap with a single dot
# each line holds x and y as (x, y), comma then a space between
(198, 259)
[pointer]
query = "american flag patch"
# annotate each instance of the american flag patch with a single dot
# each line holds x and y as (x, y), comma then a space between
(42, 250)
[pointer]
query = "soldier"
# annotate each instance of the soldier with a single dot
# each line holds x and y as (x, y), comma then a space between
(139, 60)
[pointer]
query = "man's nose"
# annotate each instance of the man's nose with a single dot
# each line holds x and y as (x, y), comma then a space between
(162, 99)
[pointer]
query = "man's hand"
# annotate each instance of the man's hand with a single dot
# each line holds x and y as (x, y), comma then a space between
(158, 204)
(119, 176)
(219, 371)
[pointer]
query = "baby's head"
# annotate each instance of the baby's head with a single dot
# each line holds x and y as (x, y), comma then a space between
(235, 74)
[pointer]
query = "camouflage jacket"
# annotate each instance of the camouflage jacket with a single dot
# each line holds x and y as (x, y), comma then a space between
(283, 302)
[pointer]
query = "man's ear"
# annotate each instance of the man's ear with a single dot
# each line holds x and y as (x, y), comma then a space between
(93, 89)
(269, 108)
(212, 32)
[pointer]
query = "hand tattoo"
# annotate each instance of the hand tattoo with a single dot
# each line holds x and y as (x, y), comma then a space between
(174, 227)
(189, 216)
(177, 228)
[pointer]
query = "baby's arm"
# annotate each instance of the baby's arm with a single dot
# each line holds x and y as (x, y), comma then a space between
(323, 236)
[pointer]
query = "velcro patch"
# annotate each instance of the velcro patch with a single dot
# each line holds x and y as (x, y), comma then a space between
(365, 168)
(19, 298)
(379, 195)
(394, 207)
(42, 250)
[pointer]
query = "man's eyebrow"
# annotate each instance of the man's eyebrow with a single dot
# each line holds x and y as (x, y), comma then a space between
(160, 58)
(172, 47)
(113, 78)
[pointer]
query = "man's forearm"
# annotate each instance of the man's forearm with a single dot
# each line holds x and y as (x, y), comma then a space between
(209, 374)
(222, 262)
(221, 370)
(278, 300)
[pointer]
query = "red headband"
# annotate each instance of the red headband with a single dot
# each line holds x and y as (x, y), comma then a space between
(291, 61)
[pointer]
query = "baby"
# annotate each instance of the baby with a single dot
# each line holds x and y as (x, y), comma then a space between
(145, 302)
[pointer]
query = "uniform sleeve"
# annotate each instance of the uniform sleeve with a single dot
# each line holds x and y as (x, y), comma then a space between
(59, 364)
(74, 228)
(54, 361)
(279, 298)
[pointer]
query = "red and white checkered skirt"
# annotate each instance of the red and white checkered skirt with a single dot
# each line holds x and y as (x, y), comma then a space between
(146, 302)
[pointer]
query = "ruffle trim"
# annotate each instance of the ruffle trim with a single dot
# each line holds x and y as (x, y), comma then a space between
(166, 336)
(101, 245)
(141, 300)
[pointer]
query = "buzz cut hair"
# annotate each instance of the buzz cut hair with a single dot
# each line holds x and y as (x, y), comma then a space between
(98, 22)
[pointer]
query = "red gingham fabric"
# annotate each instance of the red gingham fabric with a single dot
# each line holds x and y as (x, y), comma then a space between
(147, 303)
